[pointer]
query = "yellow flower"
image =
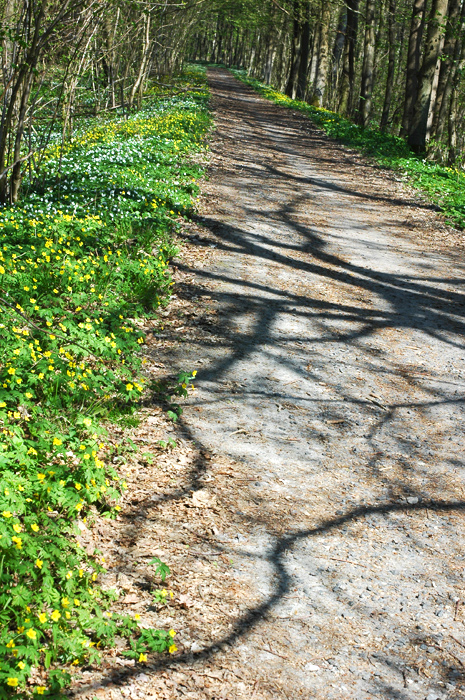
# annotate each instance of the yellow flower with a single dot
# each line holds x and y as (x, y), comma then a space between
(194, 373)
(32, 634)
(172, 633)
(18, 542)
(17, 528)
(57, 442)
(40, 689)
(137, 617)
(35, 527)
(142, 657)
(10, 644)
(129, 387)
(41, 477)
(78, 487)
(172, 648)
(42, 618)
(7, 514)
(39, 563)
(13, 682)
(64, 602)
(21, 665)
(87, 422)
(55, 616)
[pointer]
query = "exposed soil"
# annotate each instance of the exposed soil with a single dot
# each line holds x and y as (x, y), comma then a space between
(312, 511)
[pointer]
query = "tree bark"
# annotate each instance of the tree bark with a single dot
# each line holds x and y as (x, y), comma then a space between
(391, 64)
(303, 62)
(366, 92)
(348, 62)
(413, 63)
(295, 53)
(418, 130)
(338, 49)
(321, 77)
(453, 34)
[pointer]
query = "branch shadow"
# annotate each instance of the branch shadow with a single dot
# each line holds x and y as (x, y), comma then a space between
(432, 305)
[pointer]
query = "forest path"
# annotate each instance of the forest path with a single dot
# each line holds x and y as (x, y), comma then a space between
(312, 514)
(335, 377)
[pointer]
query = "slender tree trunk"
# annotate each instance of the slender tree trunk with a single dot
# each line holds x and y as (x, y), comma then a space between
(315, 46)
(366, 93)
(452, 130)
(447, 64)
(418, 131)
(413, 63)
(303, 63)
(348, 62)
(434, 92)
(295, 53)
(321, 77)
(138, 83)
(391, 64)
(338, 49)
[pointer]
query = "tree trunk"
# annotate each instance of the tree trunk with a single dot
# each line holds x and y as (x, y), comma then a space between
(295, 53)
(323, 61)
(303, 63)
(391, 64)
(452, 124)
(139, 81)
(348, 61)
(447, 64)
(338, 49)
(434, 92)
(413, 63)
(418, 130)
(366, 92)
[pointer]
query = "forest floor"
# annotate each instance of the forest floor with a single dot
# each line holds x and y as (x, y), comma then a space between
(312, 511)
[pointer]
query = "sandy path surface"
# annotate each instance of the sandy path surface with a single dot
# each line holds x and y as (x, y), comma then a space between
(321, 488)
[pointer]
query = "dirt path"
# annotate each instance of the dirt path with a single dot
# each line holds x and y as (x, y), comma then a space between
(312, 513)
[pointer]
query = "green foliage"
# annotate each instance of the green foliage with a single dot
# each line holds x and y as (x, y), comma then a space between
(150, 641)
(177, 388)
(162, 570)
(82, 261)
(444, 186)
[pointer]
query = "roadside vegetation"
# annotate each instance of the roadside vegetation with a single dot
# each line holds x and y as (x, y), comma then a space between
(84, 259)
(445, 186)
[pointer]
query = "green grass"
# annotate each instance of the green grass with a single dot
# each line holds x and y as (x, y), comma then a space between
(83, 260)
(444, 186)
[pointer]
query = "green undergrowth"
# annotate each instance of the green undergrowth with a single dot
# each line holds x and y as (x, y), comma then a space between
(444, 186)
(83, 260)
